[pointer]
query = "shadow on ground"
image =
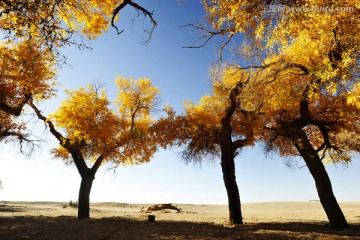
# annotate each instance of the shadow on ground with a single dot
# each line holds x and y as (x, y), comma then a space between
(120, 228)
(6, 208)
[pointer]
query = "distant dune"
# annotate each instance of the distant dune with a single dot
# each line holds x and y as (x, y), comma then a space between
(268, 220)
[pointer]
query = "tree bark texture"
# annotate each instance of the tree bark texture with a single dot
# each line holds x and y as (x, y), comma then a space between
(228, 169)
(84, 196)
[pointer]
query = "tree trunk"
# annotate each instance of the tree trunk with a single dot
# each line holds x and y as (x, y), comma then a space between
(84, 196)
(228, 169)
(322, 180)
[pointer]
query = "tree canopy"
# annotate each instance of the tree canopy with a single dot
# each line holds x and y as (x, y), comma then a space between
(305, 74)
(31, 34)
(91, 124)
(95, 134)
(57, 23)
(306, 66)
(26, 72)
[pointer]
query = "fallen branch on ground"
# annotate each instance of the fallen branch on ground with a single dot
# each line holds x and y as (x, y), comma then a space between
(159, 207)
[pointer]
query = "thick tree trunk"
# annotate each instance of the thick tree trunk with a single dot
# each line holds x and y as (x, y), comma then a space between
(228, 169)
(322, 180)
(84, 196)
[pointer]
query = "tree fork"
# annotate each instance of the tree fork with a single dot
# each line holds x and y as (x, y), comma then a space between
(228, 148)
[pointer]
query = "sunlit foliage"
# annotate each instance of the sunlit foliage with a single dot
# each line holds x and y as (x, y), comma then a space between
(136, 100)
(26, 72)
(218, 127)
(278, 22)
(45, 20)
(90, 132)
(94, 127)
(56, 23)
(306, 62)
(202, 126)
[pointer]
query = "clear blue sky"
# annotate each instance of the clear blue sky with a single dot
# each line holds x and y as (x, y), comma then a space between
(181, 74)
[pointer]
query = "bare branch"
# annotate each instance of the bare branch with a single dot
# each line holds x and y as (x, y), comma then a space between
(138, 8)
(16, 135)
(115, 12)
(72, 148)
(207, 35)
(146, 13)
(224, 44)
(56, 134)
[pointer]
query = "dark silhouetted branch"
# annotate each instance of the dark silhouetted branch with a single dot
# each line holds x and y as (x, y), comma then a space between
(206, 35)
(138, 8)
(15, 111)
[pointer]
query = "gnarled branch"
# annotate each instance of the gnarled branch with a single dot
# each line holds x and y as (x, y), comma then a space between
(15, 111)
(138, 8)
(72, 148)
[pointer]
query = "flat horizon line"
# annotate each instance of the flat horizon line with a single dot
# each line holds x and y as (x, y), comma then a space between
(152, 203)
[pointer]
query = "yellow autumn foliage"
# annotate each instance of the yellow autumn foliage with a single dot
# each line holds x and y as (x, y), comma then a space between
(25, 70)
(203, 121)
(91, 124)
(302, 56)
(280, 20)
(318, 39)
(86, 116)
(353, 97)
(58, 18)
(136, 99)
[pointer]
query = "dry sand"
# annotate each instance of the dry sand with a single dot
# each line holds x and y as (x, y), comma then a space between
(274, 220)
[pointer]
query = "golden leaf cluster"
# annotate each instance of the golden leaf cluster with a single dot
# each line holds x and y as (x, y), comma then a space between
(54, 22)
(301, 57)
(91, 124)
(25, 71)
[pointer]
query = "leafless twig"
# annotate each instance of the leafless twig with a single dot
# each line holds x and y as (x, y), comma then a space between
(138, 8)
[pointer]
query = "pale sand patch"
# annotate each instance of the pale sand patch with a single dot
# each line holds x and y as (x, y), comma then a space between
(252, 212)
(269, 220)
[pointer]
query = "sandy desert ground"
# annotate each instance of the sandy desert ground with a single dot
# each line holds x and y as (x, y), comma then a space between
(274, 220)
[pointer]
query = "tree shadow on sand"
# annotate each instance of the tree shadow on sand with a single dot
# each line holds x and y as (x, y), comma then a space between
(66, 227)
(10, 208)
